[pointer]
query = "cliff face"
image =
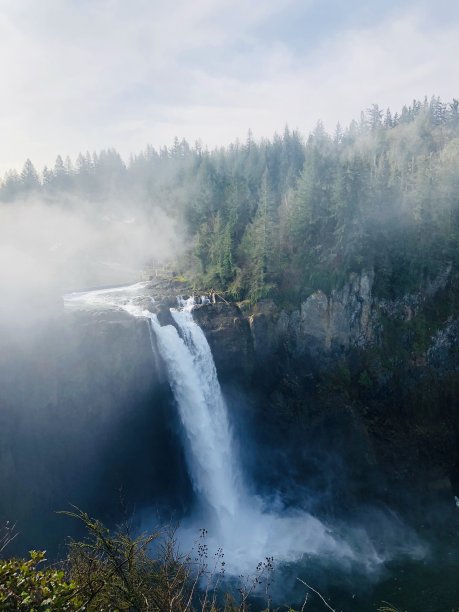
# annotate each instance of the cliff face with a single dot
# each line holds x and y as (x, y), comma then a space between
(346, 385)
(87, 418)
(229, 337)
(327, 328)
(384, 371)
(323, 324)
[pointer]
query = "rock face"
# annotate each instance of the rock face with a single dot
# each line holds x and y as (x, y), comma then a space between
(391, 364)
(324, 327)
(337, 322)
(87, 418)
(228, 334)
(349, 318)
(323, 324)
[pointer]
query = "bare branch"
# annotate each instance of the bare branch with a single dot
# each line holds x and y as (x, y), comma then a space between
(317, 593)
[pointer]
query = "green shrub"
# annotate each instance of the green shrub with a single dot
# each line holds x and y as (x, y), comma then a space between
(23, 586)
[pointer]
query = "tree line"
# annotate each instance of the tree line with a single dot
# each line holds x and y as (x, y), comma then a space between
(283, 217)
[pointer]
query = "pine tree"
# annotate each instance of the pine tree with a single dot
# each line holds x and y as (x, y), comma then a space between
(258, 246)
(29, 177)
(374, 115)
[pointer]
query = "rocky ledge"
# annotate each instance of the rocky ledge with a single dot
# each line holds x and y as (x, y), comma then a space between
(229, 337)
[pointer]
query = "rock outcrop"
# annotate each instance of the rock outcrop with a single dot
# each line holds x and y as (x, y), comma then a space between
(333, 323)
(322, 325)
(228, 334)
(391, 364)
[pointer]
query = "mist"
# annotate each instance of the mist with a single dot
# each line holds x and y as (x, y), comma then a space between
(48, 249)
(62, 423)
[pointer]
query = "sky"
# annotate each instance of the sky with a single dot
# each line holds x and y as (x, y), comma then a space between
(80, 75)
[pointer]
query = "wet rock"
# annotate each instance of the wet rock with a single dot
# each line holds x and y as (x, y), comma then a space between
(229, 337)
(163, 313)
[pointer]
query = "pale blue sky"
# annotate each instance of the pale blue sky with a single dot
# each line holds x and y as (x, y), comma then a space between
(79, 74)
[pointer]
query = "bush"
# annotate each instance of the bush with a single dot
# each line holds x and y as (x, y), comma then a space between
(25, 587)
(118, 572)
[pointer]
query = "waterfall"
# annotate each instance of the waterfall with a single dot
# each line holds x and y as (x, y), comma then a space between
(202, 411)
(193, 379)
(241, 523)
(246, 531)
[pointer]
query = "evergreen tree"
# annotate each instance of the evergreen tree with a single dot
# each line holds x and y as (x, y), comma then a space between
(29, 177)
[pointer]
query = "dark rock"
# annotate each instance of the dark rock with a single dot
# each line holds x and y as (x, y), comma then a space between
(350, 344)
(443, 353)
(263, 331)
(163, 313)
(229, 337)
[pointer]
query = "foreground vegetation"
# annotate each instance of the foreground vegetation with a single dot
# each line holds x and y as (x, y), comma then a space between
(110, 571)
(114, 571)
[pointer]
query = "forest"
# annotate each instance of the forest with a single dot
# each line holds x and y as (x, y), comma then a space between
(283, 217)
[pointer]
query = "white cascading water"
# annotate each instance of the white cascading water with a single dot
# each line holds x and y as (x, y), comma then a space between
(193, 379)
(236, 521)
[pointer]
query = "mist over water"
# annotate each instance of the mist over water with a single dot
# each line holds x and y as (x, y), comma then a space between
(247, 527)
